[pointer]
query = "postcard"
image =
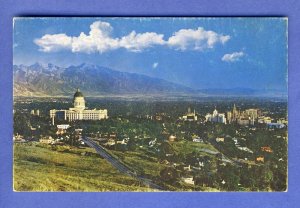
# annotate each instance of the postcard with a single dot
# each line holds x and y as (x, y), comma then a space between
(150, 104)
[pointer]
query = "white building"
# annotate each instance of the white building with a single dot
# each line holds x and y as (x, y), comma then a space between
(188, 180)
(47, 140)
(79, 112)
(220, 139)
(62, 128)
(35, 112)
(216, 117)
(264, 119)
(190, 116)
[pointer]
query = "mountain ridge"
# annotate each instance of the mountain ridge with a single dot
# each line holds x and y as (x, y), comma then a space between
(94, 80)
(49, 80)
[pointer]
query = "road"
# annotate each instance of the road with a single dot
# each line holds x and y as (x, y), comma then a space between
(237, 162)
(224, 157)
(118, 164)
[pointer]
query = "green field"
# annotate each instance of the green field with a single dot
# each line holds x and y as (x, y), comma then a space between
(188, 146)
(141, 162)
(39, 168)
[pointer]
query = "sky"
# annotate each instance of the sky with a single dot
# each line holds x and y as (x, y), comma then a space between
(201, 53)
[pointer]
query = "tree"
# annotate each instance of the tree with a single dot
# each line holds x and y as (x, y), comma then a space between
(266, 177)
(169, 175)
(228, 174)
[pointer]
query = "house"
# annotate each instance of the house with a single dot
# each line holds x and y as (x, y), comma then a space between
(220, 139)
(196, 168)
(282, 121)
(198, 139)
(78, 131)
(121, 142)
(58, 142)
(166, 162)
(223, 164)
(113, 135)
(260, 159)
(246, 149)
(187, 168)
(172, 138)
(266, 149)
(158, 117)
(152, 142)
(62, 128)
(32, 128)
(235, 140)
(201, 164)
(47, 140)
(110, 142)
(265, 120)
(18, 138)
(104, 136)
(188, 180)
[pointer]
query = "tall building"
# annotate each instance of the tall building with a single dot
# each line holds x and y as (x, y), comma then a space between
(253, 113)
(190, 116)
(229, 117)
(35, 112)
(235, 113)
(216, 117)
(79, 111)
(246, 117)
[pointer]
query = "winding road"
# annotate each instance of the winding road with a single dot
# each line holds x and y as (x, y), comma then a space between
(118, 164)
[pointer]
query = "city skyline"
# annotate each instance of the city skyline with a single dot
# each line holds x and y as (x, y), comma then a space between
(202, 53)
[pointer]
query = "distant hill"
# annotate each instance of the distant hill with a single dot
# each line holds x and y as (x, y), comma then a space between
(243, 92)
(93, 80)
(50, 80)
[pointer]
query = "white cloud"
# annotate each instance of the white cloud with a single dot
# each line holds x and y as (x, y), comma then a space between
(199, 39)
(155, 65)
(138, 42)
(56, 42)
(100, 39)
(232, 57)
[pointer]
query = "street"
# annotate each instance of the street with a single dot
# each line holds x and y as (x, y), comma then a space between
(118, 164)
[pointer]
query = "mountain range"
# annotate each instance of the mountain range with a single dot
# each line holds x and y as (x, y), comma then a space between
(39, 80)
(93, 80)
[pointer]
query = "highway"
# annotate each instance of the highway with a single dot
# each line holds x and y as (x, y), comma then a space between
(118, 164)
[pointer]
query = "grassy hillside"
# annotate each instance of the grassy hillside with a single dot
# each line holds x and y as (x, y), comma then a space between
(38, 168)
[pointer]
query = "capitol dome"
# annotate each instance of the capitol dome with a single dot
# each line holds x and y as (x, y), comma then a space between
(78, 101)
(78, 94)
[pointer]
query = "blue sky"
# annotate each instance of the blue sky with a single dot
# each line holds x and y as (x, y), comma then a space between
(202, 53)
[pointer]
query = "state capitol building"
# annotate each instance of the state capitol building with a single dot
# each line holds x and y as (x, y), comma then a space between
(79, 111)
